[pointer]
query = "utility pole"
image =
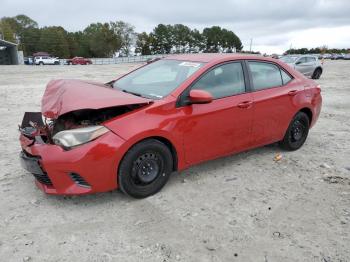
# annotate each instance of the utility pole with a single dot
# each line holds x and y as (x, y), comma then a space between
(251, 43)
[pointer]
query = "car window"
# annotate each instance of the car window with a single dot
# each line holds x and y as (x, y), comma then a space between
(265, 75)
(302, 60)
(310, 59)
(222, 81)
(286, 78)
(157, 79)
(156, 75)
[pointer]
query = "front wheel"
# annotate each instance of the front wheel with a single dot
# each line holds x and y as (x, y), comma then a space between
(145, 169)
(297, 132)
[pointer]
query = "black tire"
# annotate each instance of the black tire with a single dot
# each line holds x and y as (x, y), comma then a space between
(41, 63)
(145, 169)
(297, 132)
(317, 73)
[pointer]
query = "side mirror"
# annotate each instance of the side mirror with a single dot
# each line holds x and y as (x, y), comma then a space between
(200, 97)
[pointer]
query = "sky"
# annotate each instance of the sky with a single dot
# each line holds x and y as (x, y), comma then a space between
(272, 26)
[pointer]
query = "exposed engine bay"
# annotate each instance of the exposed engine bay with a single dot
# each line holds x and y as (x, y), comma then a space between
(34, 124)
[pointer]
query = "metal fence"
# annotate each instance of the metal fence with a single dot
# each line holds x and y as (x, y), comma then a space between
(119, 60)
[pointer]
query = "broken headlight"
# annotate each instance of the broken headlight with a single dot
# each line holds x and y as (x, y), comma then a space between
(74, 137)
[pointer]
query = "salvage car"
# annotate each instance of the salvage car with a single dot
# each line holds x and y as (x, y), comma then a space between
(308, 65)
(46, 60)
(133, 132)
(78, 61)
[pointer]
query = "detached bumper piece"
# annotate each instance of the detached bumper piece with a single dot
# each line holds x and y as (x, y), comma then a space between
(32, 165)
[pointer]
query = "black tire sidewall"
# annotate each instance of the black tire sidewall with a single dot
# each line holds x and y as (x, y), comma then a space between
(286, 142)
(317, 74)
(124, 179)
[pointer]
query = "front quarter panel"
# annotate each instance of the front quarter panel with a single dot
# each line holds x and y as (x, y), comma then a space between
(158, 120)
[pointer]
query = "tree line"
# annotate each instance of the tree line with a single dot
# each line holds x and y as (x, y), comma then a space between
(107, 39)
(317, 50)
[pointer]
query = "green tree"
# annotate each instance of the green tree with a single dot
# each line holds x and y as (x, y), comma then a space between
(126, 35)
(7, 29)
(78, 44)
(163, 39)
(196, 42)
(181, 37)
(53, 40)
(221, 40)
(102, 40)
(29, 41)
(144, 44)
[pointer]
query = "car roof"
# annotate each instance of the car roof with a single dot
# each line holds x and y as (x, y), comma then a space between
(215, 57)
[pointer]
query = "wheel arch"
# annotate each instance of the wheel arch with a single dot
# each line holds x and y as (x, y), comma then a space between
(166, 142)
(319, 67)
(308, 112)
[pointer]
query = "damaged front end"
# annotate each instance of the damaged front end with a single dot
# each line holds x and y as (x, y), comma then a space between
(47, 150)
(66, 146)
(70, 129)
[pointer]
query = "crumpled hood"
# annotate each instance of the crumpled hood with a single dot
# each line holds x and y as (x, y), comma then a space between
(63, 96)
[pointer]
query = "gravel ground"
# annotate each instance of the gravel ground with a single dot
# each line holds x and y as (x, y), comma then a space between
(245, 207)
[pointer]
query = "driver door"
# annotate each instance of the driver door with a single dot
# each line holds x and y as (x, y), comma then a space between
(224, 125)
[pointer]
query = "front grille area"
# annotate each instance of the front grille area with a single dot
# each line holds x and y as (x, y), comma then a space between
(32, 164)
(43, 178)
(79, 180)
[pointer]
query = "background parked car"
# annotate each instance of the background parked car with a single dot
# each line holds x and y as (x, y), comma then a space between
(337, 56)
(79, 61)
(347, 57)
(28, 60)
(308, 65)
(324, 56)
(46, 60)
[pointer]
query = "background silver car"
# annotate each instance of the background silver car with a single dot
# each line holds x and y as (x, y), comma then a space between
(308, 65)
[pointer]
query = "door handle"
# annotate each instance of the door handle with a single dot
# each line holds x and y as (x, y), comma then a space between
(245, 104)
(292, 93)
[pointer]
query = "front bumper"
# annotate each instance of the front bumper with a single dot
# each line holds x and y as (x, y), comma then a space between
(89, 168)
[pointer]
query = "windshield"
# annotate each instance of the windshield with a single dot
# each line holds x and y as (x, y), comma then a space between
(157, 79)
(289, 59)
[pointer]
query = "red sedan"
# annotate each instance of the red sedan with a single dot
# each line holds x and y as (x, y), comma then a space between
(133, 132)
(79, 61)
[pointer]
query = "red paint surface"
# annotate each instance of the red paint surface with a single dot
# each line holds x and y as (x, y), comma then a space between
(198, 132)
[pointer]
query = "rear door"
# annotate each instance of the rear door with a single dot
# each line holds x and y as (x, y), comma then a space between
(273, 93)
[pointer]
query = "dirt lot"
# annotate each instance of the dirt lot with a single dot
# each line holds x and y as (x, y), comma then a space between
(240, 208)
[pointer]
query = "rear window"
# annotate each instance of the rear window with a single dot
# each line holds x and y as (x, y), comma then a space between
(265, 75)
(286, 78)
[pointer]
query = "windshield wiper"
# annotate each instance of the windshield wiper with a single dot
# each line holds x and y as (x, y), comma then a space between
(133, 93)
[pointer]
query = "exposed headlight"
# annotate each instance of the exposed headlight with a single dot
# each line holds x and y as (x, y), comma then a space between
(78, 136)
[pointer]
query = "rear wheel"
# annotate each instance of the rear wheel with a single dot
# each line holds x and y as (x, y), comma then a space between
(145, 169)
(317, 73)
(297, 132)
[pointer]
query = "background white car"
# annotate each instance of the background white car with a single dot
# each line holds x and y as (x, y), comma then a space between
(46, 60)
(308, 65)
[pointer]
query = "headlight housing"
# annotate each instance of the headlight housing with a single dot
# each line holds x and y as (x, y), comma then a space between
(74, 137)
